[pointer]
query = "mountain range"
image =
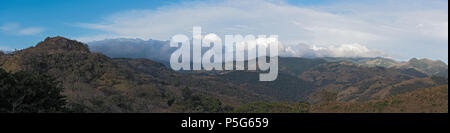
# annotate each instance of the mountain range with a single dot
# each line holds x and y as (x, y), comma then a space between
(160, 51)
(101, 79)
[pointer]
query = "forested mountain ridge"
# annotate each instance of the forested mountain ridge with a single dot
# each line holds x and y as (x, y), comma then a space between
(97, 83)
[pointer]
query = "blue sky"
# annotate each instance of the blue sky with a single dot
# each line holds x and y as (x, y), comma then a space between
(335, 24)
(57, 17)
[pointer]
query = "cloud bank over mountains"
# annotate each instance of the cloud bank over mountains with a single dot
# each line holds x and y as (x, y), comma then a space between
(345, 50)
(161, 51)
(133, 48)
(2, 48)
(402, 29)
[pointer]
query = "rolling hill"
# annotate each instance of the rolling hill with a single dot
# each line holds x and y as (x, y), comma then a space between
(427, 66)
(427, 100)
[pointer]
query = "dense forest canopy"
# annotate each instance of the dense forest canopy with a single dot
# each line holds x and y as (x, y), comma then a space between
(25, 92)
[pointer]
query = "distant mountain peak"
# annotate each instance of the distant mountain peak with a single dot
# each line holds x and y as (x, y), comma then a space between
(426, 61)
(61, 44)
(413, 59)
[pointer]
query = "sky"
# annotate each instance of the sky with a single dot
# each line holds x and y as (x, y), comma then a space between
(399, 29)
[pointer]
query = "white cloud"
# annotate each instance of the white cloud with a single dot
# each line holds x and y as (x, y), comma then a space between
(30, 31)
(17, 29)
(9, 26)
(3, 48)
(233, 17)
(398, 30)
(93, 38)
(344, 50)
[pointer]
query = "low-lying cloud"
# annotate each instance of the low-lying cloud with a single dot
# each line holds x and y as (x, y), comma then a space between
(3, 49)
(161, 51)
(345, 50)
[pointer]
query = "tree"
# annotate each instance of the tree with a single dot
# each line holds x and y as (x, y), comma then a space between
(196, 103)
(186, 93)
(26, 92)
